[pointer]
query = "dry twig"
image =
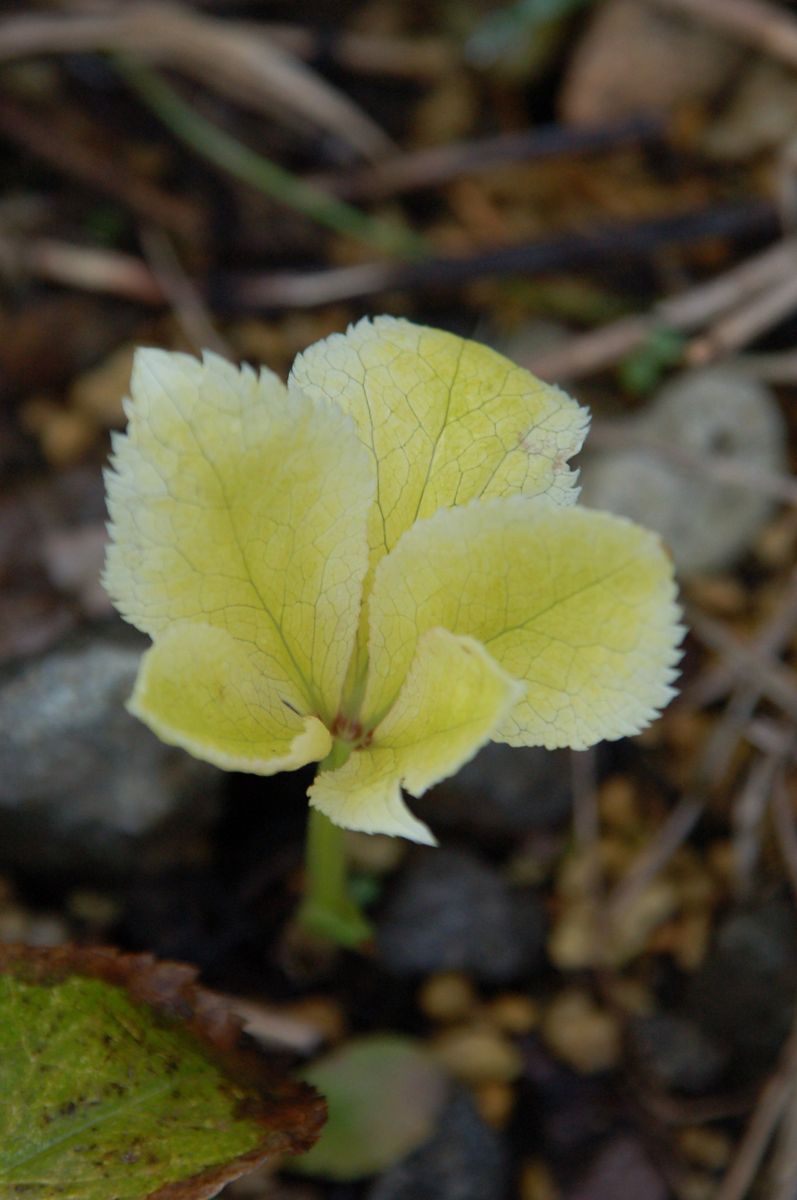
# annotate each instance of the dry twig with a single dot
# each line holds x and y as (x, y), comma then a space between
(745, 323)
(762, 1125)
(48, 141)
(244, 66)
(179, 290)
(692, 309)
(441, 164)
(769, 642)
(757, 23)
(84, 267)
(774, 680)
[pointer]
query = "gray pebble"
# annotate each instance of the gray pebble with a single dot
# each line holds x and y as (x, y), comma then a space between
(452, 912)
(83, 785)
(707, 524)
(464, 1160)
(503, 791)
(677, 1053)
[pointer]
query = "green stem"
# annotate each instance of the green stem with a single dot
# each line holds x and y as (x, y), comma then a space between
(328, 909)
(229, 154)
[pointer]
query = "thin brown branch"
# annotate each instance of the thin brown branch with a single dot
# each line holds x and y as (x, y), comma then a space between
(774, 680)
(768, 642)
(783, 819)
(178, 288)
(658, 852)
(84, 267)
(749, 809)
(689, 311)
(564, 252)
(741, 326)
(391, 56)
(783, 1170)
(759, 24)
(763, 1123)
(246, 68)
(63, 152)
(708, 773)
(441, 164)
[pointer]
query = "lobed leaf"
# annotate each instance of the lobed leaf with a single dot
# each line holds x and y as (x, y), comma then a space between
(236, 506)
(578, 605)
(446, 419)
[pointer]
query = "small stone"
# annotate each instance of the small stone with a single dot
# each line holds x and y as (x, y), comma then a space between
(477, 1054)
(97, 393)
(621, 1169)
(82, 783)
(707, 524)
(635, 58)
(619, 804)
(580, 1033)
(513, 1013)
(537, 1182)
(495, 1102)
(374, 853)
(742, 995)
(504, 791)
(676, 1052)
(447, 996)
(452, 912)
(464, 1160)
(710, 1148)
(34, 929)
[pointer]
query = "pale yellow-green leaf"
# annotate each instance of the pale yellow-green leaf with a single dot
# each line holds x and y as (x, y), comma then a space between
(238, 506)
(577, 604)
(201, 689)
(446, 419)
(452, 700)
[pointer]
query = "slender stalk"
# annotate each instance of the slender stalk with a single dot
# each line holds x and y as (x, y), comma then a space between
(328, 909)
(231, 155)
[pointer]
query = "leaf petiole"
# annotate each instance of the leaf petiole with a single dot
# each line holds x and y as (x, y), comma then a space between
(328, 909)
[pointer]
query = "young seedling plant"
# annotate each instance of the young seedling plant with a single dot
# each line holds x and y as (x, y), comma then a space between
(377, 568)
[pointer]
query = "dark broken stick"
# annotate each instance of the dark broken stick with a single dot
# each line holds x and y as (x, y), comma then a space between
(441, 164)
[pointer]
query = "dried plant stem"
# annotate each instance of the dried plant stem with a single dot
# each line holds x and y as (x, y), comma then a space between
(774, 680)
(765, 26)
(268, 177)
(768, 1112)
(179, 289)
(742, 325)
(772, 639)
(783, 820)
(692, 309)
(84, 267)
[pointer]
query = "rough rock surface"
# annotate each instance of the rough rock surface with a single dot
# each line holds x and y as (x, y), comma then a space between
(464, 1160)
(451, 911)
(84, 785)
(706, 523)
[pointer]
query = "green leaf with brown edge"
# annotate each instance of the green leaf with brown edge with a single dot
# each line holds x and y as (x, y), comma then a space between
(122, 1079)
